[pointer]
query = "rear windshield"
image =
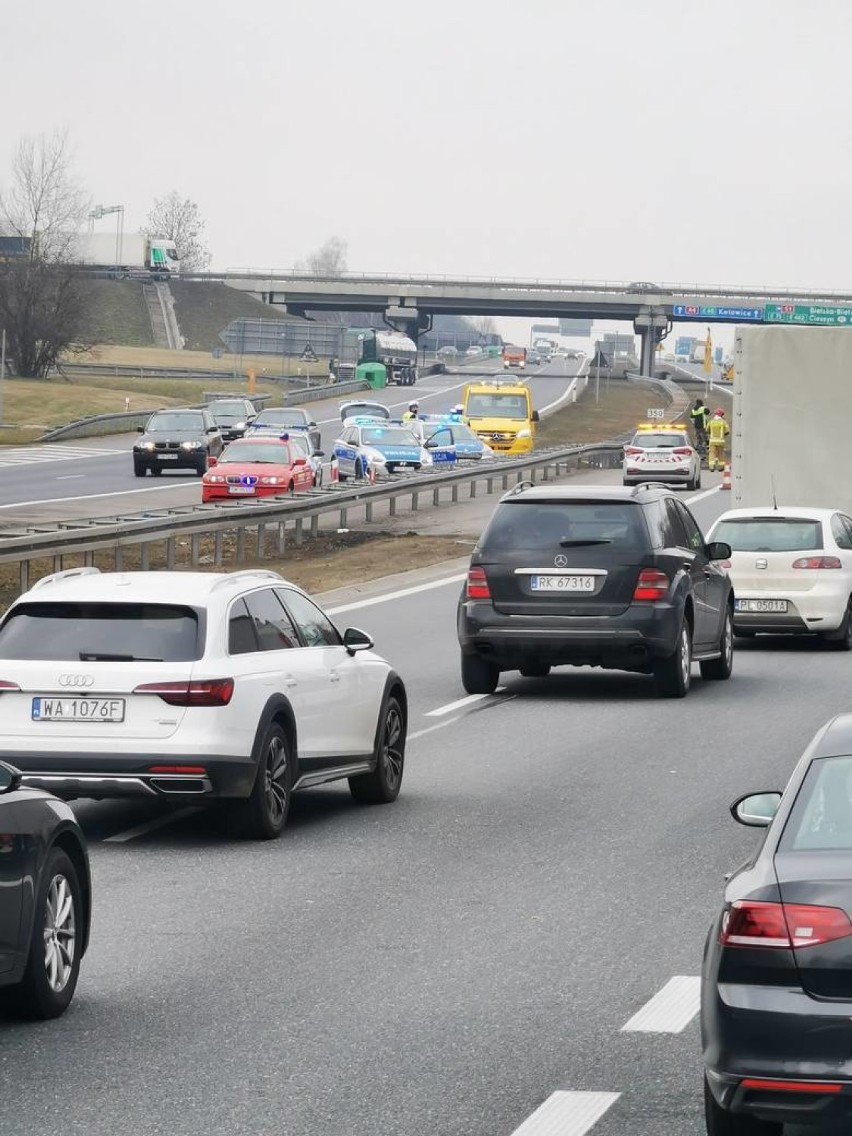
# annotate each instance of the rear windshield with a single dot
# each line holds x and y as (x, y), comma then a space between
(821, 818)
(567, 524)
(770, 534)
(496, 406)
(282, 418)
(87, 632)
(227, 409)
(659, 441)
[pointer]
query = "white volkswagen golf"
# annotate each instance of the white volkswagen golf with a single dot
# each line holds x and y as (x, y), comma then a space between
(791, 570)
(230, 688)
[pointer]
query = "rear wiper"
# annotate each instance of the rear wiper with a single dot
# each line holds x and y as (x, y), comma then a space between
(580, 543)
(101, 657)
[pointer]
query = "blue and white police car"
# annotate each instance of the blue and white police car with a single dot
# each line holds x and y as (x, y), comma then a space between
(443, 433)
(367, 444)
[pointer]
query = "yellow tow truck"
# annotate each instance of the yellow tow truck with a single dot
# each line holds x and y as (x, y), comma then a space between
(502, 415)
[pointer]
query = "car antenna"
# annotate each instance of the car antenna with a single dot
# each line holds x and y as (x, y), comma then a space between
(774, 496)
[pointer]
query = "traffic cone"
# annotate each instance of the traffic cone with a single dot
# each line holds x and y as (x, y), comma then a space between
(335, 469)
(726, 476)
(371, 475)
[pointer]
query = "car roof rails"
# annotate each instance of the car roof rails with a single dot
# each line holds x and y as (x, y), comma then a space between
(520, 487)
(248, 573)
(67, 574)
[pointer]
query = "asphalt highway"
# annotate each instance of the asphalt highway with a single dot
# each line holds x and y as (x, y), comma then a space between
(461, 963)
(94, 476)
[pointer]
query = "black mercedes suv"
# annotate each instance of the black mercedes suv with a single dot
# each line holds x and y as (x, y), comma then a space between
(619, 578)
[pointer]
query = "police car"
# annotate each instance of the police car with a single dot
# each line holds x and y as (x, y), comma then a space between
(363, 408)
(661, 453)
(446, 432)
(370, 444)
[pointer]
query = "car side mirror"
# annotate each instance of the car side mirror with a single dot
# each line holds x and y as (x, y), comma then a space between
(319, 453)
(312, 423)
(10, 778)
(535, 416)
(718, 550)
(212, 460)
(140, 429)
(212, 429)
(756, 810)
(300, 461)
(356, 640)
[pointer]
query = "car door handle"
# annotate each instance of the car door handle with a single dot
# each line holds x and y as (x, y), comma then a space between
(289, 680)
(334, 676)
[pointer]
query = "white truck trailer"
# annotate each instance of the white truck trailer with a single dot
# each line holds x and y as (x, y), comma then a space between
(127, 255)
(792, 410)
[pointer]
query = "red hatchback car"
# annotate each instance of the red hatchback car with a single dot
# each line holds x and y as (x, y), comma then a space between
(256, 467)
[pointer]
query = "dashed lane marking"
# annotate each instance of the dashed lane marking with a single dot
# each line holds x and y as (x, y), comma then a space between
(397, 595)
(567, 1114)
(460, 703)
(150, 826)
(670, 1010)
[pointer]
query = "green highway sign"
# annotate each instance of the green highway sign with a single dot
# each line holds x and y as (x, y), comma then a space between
(814, 314)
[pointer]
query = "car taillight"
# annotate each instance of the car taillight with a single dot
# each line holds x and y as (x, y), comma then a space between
(817, 562)
(651, 585)
(477, 585)
(205, 692)
(187, 770)
(761, 1085)
(752, 923)
(683, 450)
(6, 685)
(632, 449)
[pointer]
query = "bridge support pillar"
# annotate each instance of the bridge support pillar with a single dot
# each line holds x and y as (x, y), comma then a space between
(652, 325)
(409, 321)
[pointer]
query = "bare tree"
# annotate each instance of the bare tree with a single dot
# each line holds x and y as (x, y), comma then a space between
(329, 260)
(178, 219)
(43, 298)
(483, 325)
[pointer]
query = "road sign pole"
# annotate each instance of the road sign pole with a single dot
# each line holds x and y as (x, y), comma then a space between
(2, 369)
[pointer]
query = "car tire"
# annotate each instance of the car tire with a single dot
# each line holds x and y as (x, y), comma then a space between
(478, 675)
(156, 471)
(536, 670)
(342, 476)
(263, 814)
(139, 469)
(841, 639)
(382, 785)
(201, 466)
(673, 674)
(53, 963)
(721, 668)
(391, 467)
(359, 471)
(719, 1122)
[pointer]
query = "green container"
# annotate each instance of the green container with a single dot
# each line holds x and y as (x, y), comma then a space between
(375, 374)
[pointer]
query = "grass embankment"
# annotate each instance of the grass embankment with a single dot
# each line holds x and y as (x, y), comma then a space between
(159, 357)
(117, 313)
(618, 411)
(321, 564)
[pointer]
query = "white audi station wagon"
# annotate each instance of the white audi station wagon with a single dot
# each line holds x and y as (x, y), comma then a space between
(224, 688)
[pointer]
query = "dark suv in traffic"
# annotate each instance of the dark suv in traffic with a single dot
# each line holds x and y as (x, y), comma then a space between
(619, 578)
(177, 439)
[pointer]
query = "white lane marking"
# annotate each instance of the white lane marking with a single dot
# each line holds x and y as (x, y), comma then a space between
(31, 455)
(97, 496)
(692, 498)
(567, 1114)
(392, 405)
(562, 398)
(670, 1010)
(150, 826)
(398, 595)
(432, 729)
(72, 477)
(468, 700)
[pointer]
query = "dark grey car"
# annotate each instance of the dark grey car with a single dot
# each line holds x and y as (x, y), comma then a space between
(280, 419)
(619, 578)
(45, 899)
(233, 416)
(177, 439)
(776, 996)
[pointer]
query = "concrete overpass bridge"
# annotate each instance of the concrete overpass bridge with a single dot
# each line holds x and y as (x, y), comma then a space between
(409, 303)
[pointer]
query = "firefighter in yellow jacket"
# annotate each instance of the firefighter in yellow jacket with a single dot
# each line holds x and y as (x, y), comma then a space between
(717, 431)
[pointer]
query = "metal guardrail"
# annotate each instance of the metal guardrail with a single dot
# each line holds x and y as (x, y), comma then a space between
(253, 524)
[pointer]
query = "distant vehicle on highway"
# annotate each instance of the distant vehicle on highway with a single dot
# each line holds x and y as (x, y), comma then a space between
(534, 358)
(177, 439)
(257, 467)
(45, 900)
(592, 576)
(502, 415)
(664, 454)
(216, 689)
(791, 570)
(132, 256)
(458, 437)
(776, 983)
(514, 356)
(645, 286)
(363, 408)
(279, 419)
(473, 351)
(301, 443)
(233, 416)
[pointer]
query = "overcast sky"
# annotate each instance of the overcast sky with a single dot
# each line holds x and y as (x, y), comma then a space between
(593, 139)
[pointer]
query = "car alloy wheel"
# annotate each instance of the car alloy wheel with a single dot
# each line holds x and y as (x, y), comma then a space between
(263, 814)
(60, 934)
(673, 673)
(276, 782)
(722, 667)
(382, 784)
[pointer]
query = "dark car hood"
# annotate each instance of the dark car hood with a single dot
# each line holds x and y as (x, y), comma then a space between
(173, 436)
